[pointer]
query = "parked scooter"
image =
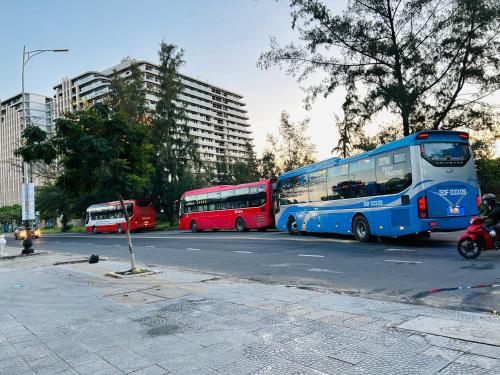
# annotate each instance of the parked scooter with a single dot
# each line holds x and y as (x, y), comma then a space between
(477, 238)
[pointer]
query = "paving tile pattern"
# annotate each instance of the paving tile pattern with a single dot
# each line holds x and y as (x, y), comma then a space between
(71, 320)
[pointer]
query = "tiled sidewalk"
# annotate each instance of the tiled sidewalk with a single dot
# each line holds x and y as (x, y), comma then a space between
(71, 319)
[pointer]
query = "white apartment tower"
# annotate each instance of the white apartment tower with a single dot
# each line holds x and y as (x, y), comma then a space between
(38, 113)
(216, 116)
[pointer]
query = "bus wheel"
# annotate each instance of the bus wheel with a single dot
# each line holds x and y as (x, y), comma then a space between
(240, 225)
(193, 226)
(119, 229)
(361, 229)
(292, 226)
(94, 230)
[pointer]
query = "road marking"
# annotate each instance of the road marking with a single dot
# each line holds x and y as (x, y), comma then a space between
(403, 261)
(311, 255)
(117, 245)
(193, 249)
(322, 270)
(403, 250)
(285, 265)
(277, 237)
(150, 246)
(243, 252)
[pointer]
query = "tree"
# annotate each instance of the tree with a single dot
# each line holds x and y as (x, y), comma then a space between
(128, 95)
(176, 156)
(430, 62)
(246, 170)
(267, 165)
(10, 214)
(51, 202)
(102, 154)
(488, 175)
(291, 146)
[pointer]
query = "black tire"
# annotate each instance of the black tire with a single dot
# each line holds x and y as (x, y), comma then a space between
(468, 248)
(119, 229)
(94, 230)
(240, 225)
(291, 226)
(361, 229)
(193, 226)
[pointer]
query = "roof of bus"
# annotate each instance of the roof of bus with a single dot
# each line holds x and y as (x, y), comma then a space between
(433, 136)
(100, 206)
(211, 189)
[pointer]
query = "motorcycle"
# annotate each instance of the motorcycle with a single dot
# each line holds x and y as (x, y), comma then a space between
(478, 238)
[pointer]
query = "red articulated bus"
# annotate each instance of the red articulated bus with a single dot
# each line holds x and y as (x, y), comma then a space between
(242, 207)
(108, 217)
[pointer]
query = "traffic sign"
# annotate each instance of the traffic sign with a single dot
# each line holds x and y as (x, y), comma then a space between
(28, 201)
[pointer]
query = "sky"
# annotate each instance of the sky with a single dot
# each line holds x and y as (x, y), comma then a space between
(222, 40)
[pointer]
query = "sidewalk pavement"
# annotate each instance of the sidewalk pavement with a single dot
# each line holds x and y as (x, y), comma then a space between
(72, 319)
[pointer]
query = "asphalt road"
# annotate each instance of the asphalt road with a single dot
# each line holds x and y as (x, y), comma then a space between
(403, 270)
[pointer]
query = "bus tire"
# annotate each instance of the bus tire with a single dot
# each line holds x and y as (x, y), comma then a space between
(240, 225)
(119, 229)
(291, 226)
(193, 226)
(94, 230)
(361, 229)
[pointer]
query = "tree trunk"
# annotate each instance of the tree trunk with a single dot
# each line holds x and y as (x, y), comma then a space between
(406, 122)
(133, 264)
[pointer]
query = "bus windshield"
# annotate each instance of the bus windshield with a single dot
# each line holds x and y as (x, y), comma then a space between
(445, 151)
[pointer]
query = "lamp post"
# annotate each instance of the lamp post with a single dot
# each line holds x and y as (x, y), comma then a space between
(28, 242)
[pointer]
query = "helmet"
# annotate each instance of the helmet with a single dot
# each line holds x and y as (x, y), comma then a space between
(488, 197)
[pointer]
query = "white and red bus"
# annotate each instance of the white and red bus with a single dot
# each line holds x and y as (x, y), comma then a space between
(108, 217)
(242, 207)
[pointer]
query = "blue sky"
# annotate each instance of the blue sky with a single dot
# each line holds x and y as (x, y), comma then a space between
(221, 38)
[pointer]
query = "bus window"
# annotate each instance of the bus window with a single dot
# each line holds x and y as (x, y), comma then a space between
(362, 178)
(213, 201)
(257, 196)
(393, 172)
(241, 197)
(301, 188)
(286, 191)
(227, 199)
(317, 186)
(337, 182)
(445, 154)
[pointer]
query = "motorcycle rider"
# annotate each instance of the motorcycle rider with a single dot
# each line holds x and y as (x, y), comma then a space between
(492, 213)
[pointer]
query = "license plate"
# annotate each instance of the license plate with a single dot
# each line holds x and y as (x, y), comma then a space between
(455, 210)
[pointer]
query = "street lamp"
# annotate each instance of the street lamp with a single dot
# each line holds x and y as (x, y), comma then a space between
(28, 242)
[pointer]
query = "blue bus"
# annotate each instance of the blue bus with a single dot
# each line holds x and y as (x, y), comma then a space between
(419, 184)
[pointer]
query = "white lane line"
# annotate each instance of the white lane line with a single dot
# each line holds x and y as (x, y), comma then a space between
(311, 255)
(192, 249)
(403, 250)
(403, 261)
(117, 245)
(243, 252)
(150, 246)
(323, 270)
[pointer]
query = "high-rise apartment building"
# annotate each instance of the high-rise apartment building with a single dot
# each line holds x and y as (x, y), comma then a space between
(39, 113)
(217, 117)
